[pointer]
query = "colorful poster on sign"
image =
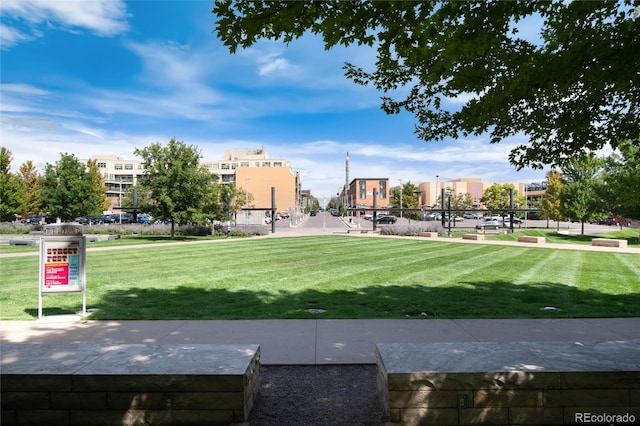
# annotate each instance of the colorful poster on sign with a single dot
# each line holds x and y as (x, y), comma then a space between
(61, 265)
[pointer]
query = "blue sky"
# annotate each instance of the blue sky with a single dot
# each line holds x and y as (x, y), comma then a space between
(107, 76)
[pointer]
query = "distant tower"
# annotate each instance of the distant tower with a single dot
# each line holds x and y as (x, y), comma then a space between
(346, 182)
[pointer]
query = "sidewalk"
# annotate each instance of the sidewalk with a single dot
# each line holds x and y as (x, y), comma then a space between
(312, 342)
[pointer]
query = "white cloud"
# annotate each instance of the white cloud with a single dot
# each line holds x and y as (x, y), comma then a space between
(276, 65)
(102, 17)
(10, 37)
(22, 89)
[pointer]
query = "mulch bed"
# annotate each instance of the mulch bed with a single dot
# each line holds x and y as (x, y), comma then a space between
(330, 395)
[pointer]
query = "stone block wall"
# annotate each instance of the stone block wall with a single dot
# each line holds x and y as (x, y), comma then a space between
(510, 383)
(128, 384)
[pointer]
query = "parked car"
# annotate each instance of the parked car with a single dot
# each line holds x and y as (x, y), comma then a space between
(101, 220)
(144, 218)
(122, 218)
(33, 219)
(432, 216)
(516, 221)
(386, 218)
(454, 218)
(473, 215)
(489, 224)
(313, 212)
(82, 220)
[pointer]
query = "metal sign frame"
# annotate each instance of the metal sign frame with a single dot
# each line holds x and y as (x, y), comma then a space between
(62, 267)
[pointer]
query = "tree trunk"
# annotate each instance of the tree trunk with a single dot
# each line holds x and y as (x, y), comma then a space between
(173, 229)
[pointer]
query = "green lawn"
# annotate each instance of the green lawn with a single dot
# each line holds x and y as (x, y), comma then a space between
(348, 277)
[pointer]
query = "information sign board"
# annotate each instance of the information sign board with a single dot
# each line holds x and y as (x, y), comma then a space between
(62, 262)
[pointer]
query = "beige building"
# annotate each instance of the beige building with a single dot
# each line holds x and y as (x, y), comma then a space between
(257, 173)
(430, 191)
(120, 175)
(252, 170)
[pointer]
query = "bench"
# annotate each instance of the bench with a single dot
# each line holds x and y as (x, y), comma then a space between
(428, 234)
(608, 242)
(473, 237)
(531, 239)
(24, 242)
(508, 383)
(67, 384)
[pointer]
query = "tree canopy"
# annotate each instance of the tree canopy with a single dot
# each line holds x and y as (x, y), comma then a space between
(623, 180)
(551, 202)
(466, 68)
(498, 197)
(31, 202)
(69, 190)
(408, 200)
(582, 195)
(175, 184)
(10, 187)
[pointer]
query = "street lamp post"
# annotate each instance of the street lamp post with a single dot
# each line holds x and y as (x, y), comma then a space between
(228, 215)
(525, 206)
(246, 213)
(400, 199)
(449, 208)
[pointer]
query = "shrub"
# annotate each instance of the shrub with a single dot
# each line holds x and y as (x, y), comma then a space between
(412, 230)
(17, 228)
(194, 230)
(241, 230)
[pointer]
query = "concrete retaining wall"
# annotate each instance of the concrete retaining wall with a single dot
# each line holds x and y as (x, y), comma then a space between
(531, 239)
(508, 383)
(128, 384)
(608, 242)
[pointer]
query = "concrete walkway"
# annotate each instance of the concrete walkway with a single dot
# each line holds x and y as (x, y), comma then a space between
(311, 342)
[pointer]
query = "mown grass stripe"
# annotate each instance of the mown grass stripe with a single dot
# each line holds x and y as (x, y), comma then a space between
(350, 277)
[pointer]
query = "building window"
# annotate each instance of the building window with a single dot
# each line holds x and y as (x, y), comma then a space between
(118, 166)
(363, 189)
(234, 166)
(225, 166)
(257, 164)
(383, 189)
(101, 164)
(266, 164)
(128, 166)
(244, 164)
(277, 164)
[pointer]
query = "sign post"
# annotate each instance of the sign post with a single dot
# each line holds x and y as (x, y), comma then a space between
(62, 262)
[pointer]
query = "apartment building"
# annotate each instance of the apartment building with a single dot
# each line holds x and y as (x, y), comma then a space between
(119, 174)
(257, 173)
(428, 192)
(252, 170)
